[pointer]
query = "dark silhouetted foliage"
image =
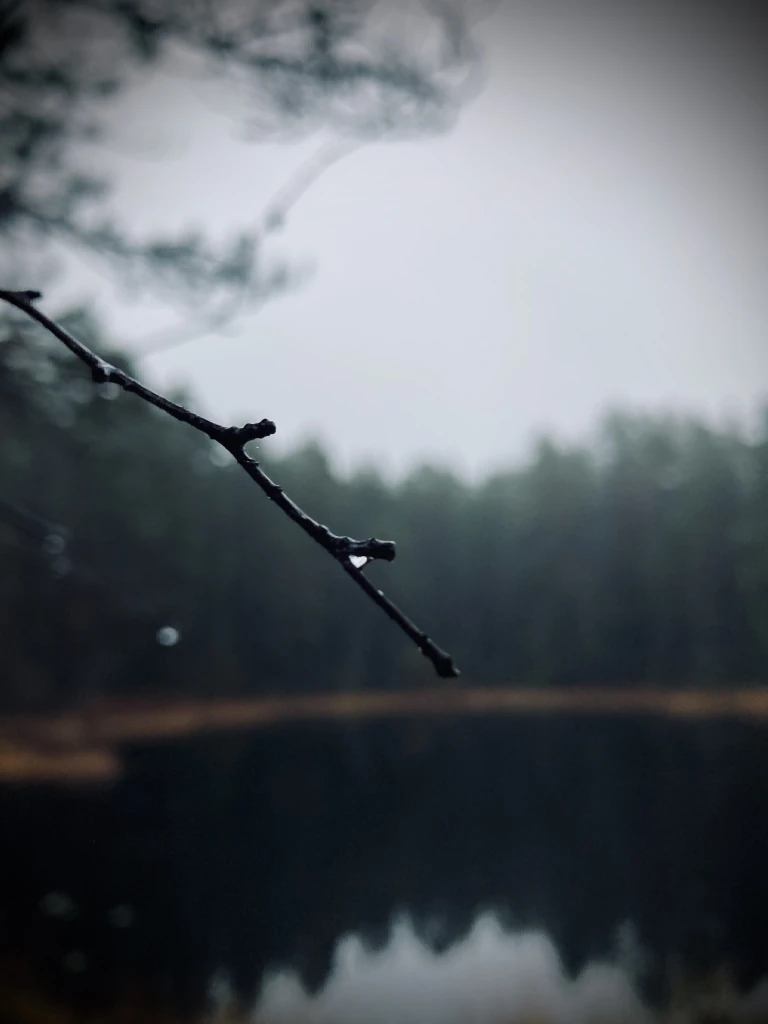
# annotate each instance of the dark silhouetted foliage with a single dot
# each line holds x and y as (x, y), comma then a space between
(293, 68)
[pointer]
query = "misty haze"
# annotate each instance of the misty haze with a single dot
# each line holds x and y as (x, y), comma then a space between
(294, 288)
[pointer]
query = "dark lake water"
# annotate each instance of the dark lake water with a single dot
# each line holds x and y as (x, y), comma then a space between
(331, 862)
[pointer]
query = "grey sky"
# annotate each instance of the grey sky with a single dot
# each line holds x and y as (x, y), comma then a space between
(593, 233)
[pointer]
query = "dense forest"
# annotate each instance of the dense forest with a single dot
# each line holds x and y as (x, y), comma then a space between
(641, 559)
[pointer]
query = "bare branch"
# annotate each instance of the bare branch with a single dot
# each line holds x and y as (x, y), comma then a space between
(352, 555)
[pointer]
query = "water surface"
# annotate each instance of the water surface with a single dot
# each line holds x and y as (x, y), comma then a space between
(258, 853)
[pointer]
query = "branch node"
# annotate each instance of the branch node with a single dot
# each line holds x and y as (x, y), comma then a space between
(373, 548)
(251, 431)
(101, 373)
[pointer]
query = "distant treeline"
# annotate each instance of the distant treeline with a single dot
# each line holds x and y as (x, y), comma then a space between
(642, 559)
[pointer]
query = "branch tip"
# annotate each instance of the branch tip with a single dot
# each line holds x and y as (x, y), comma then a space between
(443, 662)
(446, 668)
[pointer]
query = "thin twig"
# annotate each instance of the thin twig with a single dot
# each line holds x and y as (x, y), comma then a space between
(233, 440)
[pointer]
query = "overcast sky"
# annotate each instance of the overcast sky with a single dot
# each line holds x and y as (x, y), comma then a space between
(593, 233)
